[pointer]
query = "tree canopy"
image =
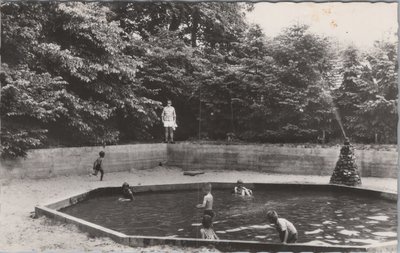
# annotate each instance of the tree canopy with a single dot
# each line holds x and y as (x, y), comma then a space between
(98, 73)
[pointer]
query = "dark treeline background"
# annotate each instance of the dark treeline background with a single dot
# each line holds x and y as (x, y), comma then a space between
(98, 73)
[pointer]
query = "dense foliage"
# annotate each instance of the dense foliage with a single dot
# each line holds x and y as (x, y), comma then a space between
(97, 73)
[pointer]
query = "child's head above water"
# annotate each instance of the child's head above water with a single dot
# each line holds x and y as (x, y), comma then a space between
(102, 153)
(272, 216)
(207, 187)
(239, 182)
(207, 221)
(125, 185)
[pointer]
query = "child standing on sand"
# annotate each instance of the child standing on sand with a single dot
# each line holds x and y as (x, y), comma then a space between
(207, 232)
(208, 201)
(287, 231)
(98, 166)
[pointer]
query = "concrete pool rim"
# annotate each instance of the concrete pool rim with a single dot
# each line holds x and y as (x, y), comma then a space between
(51, 211)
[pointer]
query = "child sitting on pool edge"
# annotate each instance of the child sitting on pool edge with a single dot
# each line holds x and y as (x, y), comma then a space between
(126, 192)
(241, 190)
(207, 201)
(287, 231)
(206, 231)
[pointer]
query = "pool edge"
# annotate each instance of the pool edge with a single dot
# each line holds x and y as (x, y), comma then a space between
(51, 211)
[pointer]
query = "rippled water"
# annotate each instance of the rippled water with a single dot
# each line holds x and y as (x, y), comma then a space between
(320, 217)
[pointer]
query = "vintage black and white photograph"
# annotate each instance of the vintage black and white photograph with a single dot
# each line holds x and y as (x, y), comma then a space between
(198, 126)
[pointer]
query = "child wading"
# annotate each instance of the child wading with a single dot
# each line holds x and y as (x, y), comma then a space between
(126, 193)
(287, 231)
(207, 232)
(207, 201)
(98, 166)
(241, 190)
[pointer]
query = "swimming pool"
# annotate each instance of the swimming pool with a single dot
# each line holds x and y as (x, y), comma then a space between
(322, 215)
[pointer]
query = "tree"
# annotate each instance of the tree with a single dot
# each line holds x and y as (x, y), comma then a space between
(197, 24)
(179, 37)
(29, 102)
(97, 73)
(378, 113)
(303, 61)
(77, 45)
(367, 98)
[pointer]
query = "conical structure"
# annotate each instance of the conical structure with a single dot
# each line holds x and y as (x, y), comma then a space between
(346, 171)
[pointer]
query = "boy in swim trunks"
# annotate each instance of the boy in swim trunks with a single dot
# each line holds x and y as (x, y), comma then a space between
(287, 231)
(208, 201)
(98, 166)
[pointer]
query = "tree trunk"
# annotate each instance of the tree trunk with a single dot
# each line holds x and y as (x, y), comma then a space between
(175, 22)
(232, 127)
(195, 24)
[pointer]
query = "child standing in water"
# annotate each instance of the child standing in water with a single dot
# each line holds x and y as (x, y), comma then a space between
(287, 231)
(207, 232)
(126, 192)
(241, 190)
(208, 201)
(98, 166)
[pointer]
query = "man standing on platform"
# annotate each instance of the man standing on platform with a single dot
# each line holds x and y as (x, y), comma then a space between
(168, 118)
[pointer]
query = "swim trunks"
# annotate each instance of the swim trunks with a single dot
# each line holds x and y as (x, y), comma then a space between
(210, 213)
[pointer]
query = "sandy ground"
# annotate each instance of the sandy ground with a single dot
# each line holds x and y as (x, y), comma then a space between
(20, 232)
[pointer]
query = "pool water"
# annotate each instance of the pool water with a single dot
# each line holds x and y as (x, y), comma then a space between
(323, 217)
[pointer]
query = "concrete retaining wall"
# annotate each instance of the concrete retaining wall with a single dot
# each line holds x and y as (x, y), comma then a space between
(43, 163)
(278, 159)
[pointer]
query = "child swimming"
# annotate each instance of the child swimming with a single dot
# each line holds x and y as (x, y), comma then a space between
(206, 231)
(241, 190)
(126, 192)
(287, 231)
(208, 201)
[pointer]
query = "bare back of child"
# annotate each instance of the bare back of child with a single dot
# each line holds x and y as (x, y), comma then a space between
(208, 201)
(286, 230)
